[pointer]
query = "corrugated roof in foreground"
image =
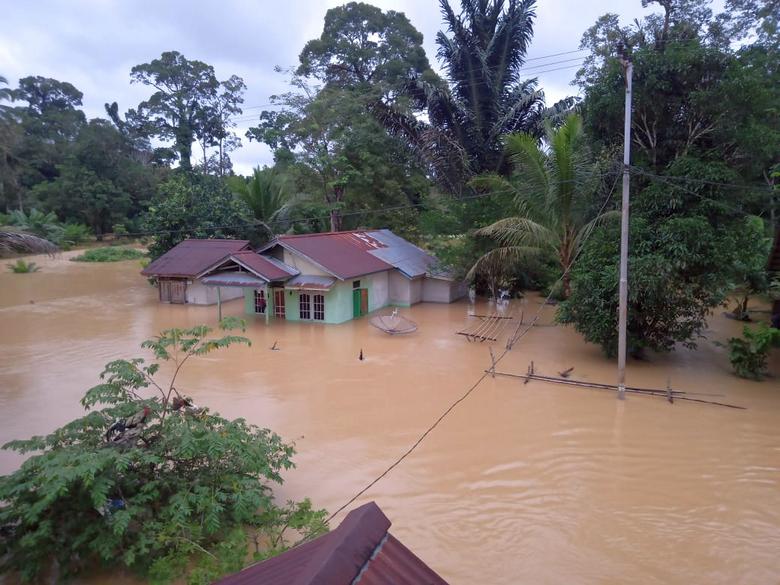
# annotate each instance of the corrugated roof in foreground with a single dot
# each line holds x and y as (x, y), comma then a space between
(360, 551)
(190, 258)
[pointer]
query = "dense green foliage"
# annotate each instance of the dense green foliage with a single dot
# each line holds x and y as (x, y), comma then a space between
(191, 205)
(147, 480)
(552, 190)
(703, 150)
(110, 254)
(748, 354)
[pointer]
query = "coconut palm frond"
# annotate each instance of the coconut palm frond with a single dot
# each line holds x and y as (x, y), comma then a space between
(530, 164)
(519, 231)
(582, 233)
(493, 183)
(501, 261)
(20, 242)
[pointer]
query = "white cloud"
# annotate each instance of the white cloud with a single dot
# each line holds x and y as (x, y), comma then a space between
(94, 43)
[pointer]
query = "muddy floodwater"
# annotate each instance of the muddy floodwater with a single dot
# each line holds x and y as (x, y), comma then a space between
(521, 483)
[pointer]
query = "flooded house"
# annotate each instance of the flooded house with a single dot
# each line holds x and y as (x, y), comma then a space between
(328, 277)
(178, 272)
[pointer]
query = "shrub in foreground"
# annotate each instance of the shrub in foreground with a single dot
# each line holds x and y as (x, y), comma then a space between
(147, 480)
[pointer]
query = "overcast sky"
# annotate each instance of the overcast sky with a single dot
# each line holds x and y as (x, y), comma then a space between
(94, 43)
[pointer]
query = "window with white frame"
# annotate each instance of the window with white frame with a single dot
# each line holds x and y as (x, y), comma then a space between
(319, 307)
(304, 305)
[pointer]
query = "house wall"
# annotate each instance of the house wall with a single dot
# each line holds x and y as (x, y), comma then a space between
(378, 286)
(200, 294)
(338, 303)
(403, 292)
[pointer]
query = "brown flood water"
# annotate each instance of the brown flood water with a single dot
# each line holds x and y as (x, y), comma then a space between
(522, 483)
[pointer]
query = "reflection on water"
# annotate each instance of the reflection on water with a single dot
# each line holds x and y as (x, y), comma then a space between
(522, 483)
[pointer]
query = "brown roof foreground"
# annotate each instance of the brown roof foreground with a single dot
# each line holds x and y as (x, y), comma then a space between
(343, 254)
(190, 258)
(359, 551)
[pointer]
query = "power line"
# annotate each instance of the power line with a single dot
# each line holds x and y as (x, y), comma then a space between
(357, 212)
(485, 374)
(679, 178)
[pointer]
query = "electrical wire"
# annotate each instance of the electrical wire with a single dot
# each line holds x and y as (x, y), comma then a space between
(476, 384)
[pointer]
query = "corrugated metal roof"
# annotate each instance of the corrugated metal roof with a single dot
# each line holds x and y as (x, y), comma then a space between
(359, 551)
(190, 258)
(394, 564)
(233, 279)
(269, 268)
(343, 254)
(401, 254)
(310, 282)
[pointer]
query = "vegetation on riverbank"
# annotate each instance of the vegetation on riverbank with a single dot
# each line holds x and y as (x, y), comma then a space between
(109, 254)
(149, 481)
(23, 267)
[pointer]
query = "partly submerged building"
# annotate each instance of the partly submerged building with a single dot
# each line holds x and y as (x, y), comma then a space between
(329, 277)
(360, 550)
(178, 272)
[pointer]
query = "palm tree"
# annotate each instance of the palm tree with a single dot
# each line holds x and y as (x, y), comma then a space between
(25, 243)
(266, 194)
(549, 185)
(485, 97)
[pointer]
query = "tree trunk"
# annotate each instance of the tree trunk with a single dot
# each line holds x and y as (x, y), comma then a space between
(335, 212)
(335, 220)
(184, 145)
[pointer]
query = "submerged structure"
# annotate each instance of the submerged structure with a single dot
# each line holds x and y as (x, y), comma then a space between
(329, 277)
(360, 550)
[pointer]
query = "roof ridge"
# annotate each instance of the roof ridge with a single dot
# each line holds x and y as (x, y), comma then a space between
(318, 234)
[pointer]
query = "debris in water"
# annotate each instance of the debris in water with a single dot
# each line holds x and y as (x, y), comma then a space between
(273, 347)
(361, 354)
(566, 373)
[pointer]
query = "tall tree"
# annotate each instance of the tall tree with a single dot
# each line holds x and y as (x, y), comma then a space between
(362, 46)
(482, 54)
(350, 159)
(189, 102)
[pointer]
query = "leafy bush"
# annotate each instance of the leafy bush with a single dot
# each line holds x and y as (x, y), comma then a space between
(748, 354)
(109, 255)
(74, 234)
(147, 480)
(23, 267)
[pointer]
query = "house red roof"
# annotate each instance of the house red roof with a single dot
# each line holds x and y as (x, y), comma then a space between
(188, 259)
(360, 546)
(343, 254)
(269, 268)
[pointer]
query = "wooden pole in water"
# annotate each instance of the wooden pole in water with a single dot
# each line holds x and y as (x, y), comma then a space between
(623, 301)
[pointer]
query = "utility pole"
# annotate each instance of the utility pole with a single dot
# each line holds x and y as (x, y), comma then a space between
(628, 68)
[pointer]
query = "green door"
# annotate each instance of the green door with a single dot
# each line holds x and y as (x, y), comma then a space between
(356, 303)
